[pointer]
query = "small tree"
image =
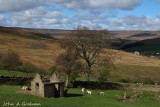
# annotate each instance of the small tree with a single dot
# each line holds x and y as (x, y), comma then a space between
(28, 67)
(67, 63)
(104, 71)
(10, 60)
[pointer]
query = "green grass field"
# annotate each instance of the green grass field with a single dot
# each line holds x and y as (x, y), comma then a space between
(75, 99)
(13, 73)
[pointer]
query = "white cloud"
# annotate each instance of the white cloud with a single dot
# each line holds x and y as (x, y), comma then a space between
(1, 17)
(43, 14)
(91, 20)
(131, 22)
(65, 20)
(98, 4)
(37, 17)
(36, 13)
(19, 5)
(2, 20)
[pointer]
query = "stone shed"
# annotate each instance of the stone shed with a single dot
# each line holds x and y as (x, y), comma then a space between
(47, 88)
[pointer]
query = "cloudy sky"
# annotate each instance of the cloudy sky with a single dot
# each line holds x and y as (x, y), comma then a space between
(66, 14)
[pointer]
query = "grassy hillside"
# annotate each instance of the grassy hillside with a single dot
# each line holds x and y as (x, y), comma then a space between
(42, 52)
(136, 35)
(135, 74)
(31, 34)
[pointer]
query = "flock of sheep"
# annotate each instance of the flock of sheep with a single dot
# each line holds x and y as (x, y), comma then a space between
(83, 91)
(90, 92)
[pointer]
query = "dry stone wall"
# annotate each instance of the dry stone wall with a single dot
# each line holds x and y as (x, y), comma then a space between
(15, 80)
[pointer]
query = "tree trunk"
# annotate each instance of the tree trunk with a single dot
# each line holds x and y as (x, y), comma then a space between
(67, 80)
(87, 74)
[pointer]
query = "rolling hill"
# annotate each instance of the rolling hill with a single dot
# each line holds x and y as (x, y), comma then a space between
(130, 35)
(42, 50)
(136, 35)
(32, 46)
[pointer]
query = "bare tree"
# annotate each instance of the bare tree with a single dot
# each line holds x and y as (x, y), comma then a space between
(89, 45)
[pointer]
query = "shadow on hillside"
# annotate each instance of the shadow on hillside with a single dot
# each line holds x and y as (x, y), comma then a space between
(43, 35)
(74, 95)
(143, 35)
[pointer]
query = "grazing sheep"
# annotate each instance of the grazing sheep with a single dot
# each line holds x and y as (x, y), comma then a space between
(136, 53)
(83, 90)
(101, 93)
(24, 88)
(139, 83)
(89, 92)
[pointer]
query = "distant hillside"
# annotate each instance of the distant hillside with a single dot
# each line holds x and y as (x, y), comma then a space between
(24, 33)
(51, 32)
(136, 35)
(60, 33)
(145, 47)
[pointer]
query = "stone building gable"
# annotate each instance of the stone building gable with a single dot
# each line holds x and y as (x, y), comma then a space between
(37, 85)
(55, 78)
(37, 78)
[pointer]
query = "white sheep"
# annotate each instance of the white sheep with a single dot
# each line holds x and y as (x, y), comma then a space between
(139, 83)
(83, 90)
(101, 93)
(89, 92)
(136, 53)
(24, 88)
